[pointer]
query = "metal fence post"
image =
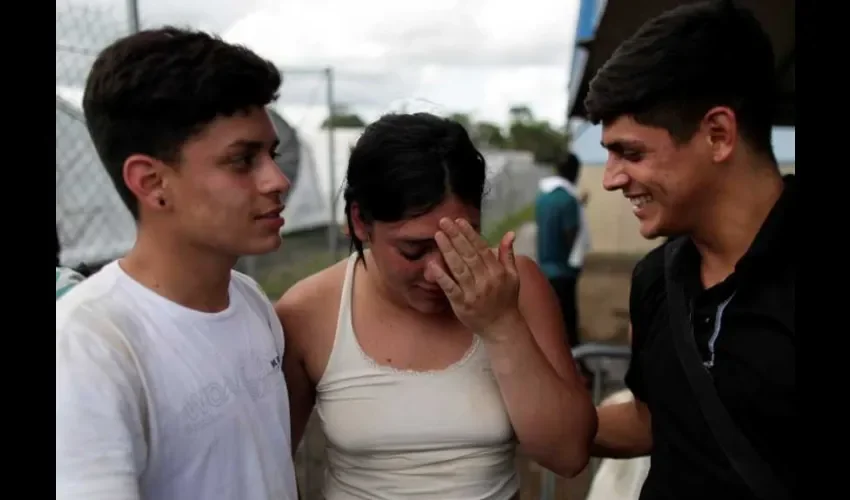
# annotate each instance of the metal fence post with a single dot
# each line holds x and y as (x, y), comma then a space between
(333, 228)
(133, 16)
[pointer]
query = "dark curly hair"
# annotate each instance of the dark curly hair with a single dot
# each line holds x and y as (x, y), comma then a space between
(150, 92)
(685, 61)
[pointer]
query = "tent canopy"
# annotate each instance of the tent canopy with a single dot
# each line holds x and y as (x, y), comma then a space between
(621, 18)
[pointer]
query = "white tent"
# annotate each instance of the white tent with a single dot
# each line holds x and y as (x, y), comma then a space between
(308, 206)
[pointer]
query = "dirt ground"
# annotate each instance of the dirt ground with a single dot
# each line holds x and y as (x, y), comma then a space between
(603, 302)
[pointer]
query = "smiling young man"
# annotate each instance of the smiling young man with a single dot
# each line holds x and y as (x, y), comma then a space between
(687, 106)
(168, 376)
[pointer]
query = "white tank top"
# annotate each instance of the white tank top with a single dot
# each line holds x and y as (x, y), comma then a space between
(398, 434)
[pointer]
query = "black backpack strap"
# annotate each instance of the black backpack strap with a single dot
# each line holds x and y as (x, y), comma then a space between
(746, 461)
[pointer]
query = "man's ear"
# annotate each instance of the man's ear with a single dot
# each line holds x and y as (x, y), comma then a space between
(143, 175)
(721, 132)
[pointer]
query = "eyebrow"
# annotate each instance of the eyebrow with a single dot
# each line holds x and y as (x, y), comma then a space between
(622, 145)
(251, 145)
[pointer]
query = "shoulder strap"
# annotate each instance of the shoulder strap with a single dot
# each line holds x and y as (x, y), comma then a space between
(746, 461)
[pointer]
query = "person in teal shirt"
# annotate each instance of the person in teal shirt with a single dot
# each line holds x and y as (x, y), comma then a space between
(562, 238)
(66, 278)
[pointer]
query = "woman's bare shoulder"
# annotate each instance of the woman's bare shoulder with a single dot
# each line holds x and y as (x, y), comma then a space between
(312, 297)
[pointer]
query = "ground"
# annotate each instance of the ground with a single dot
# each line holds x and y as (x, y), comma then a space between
(603, 292)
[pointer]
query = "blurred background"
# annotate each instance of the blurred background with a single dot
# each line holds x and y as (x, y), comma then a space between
(512, 73)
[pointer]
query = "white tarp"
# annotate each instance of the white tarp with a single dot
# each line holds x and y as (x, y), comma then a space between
(308, 205)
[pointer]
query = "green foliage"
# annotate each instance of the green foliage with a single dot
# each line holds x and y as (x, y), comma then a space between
(342, 117)
(281, 279)
(524, 133)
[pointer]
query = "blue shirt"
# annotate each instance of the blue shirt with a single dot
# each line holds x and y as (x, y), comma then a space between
(557, 212)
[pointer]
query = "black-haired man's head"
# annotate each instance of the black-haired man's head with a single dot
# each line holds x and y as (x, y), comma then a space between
(691, 93)
(178, 118)
(569, 167)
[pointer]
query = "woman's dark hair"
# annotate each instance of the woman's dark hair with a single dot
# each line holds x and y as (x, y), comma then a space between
(405, 165)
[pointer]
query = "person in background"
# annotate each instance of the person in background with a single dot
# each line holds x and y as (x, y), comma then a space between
(428, 355)
(687, 107)
(58, 248)
(66, 279)
(168, 363)
(563, 239)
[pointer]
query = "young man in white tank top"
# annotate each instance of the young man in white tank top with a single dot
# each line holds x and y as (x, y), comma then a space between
(428, 356)
(168, 363)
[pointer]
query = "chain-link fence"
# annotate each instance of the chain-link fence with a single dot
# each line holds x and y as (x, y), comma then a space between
(511, 187)
(83, 28)
(92, 224)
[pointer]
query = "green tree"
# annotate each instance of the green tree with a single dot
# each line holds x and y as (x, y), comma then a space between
(490, 134)
(343, 117)
(520, 113)
(524, 132)
(527, 133)
(464, 119)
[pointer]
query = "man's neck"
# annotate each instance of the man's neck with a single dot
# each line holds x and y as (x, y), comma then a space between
(190, 276)
(733, 220)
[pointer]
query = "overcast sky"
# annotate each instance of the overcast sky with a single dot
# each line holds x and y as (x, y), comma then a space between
(474, 56)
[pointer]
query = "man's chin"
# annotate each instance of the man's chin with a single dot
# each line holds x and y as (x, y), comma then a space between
(652, 235)
(651, 230)
(262, 246)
